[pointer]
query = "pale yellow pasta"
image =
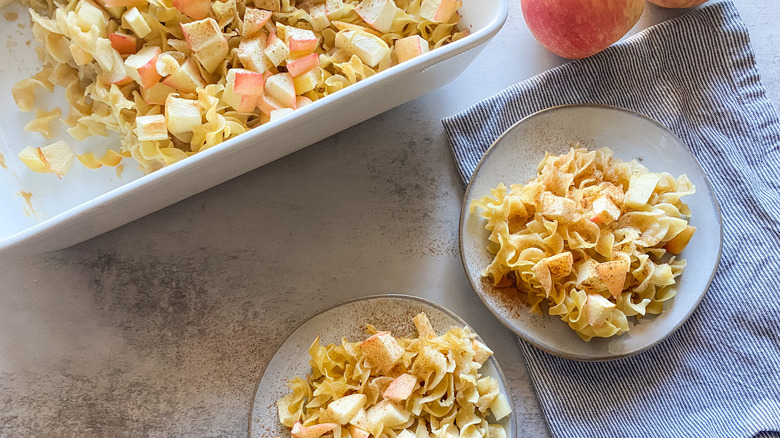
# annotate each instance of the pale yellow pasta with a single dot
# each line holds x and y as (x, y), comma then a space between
(591, 238)
(445, 394)
(80, 57)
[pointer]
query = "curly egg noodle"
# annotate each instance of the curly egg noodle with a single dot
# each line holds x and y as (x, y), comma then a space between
(84, 58)
(592, 237)
(387, 387)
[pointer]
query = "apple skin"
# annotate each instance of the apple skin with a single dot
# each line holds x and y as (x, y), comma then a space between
(576, 29)
(677, 3)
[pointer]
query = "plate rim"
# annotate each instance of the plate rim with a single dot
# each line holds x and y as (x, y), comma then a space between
(464, 212)
(503, 383)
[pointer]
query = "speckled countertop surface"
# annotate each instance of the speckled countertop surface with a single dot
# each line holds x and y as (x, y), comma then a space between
(162, 327)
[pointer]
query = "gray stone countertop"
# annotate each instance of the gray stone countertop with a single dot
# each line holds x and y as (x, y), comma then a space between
(163, 326)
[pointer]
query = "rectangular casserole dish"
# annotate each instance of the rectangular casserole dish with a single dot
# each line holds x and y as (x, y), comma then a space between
(42, 213)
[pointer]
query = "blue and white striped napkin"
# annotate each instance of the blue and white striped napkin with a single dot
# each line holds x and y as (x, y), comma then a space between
(719, 374)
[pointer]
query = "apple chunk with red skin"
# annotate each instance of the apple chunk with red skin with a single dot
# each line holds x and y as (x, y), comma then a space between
(577, 29)
(281, 88)
(299, 66)
(124, 44)
(243, 88)
(677, 3)
(254, 20)
(410, 47)
(195, 9)
(142, 66)
(207, 42)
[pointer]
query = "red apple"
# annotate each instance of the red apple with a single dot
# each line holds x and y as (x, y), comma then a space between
(677, 3)
(577, 29)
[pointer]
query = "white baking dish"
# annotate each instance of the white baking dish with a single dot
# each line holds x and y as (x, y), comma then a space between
(86, 203)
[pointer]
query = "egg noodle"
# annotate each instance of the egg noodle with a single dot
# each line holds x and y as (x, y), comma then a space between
(79, 56)
(387, 387)
(592, 237)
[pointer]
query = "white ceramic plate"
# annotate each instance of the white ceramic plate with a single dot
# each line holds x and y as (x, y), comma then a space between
(85, 203)
(385, 312)
(513, 159)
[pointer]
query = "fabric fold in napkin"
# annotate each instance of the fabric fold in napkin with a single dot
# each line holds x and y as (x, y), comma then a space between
(719, 374)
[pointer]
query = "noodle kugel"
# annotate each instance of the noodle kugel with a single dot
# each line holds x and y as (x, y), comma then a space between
(80, 43)
(593, 238)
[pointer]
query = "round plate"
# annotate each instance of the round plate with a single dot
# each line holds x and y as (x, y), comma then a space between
(513, 159)
(349, 319)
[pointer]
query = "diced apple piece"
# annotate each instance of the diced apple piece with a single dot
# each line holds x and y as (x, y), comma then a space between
(500, 407)
(314, 431)
(254, 20)
(137, 23)
(307, 81)
(387, 413)
(345, 408)
(282, 88)
(382, 351)
(246, 82)
(680, 241)
(195, 9)
(604, 211)
(268, 105)
(150, 128)
(302, 101)
(207, 42)
(299, 66)
(438, 11)
(55, 158)
(275, 49)
(401, 388)
(586, 275)
(181, 115)
(558, 208)
(481, 351)
(318, 17)
(224, 12)
(598, 308)
(157, 94)
(542, 273)
(142, 66)
(242, 89)
(356, 432)
(410, 47)
(124, 44)
(300, 40)
(640, 187)
(187, 78)
(369, 48)
(250, 53)
(613, 275)
(560, 264)
(378, 14)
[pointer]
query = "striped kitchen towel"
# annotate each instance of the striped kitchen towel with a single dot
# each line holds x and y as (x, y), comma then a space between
(719, 374)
